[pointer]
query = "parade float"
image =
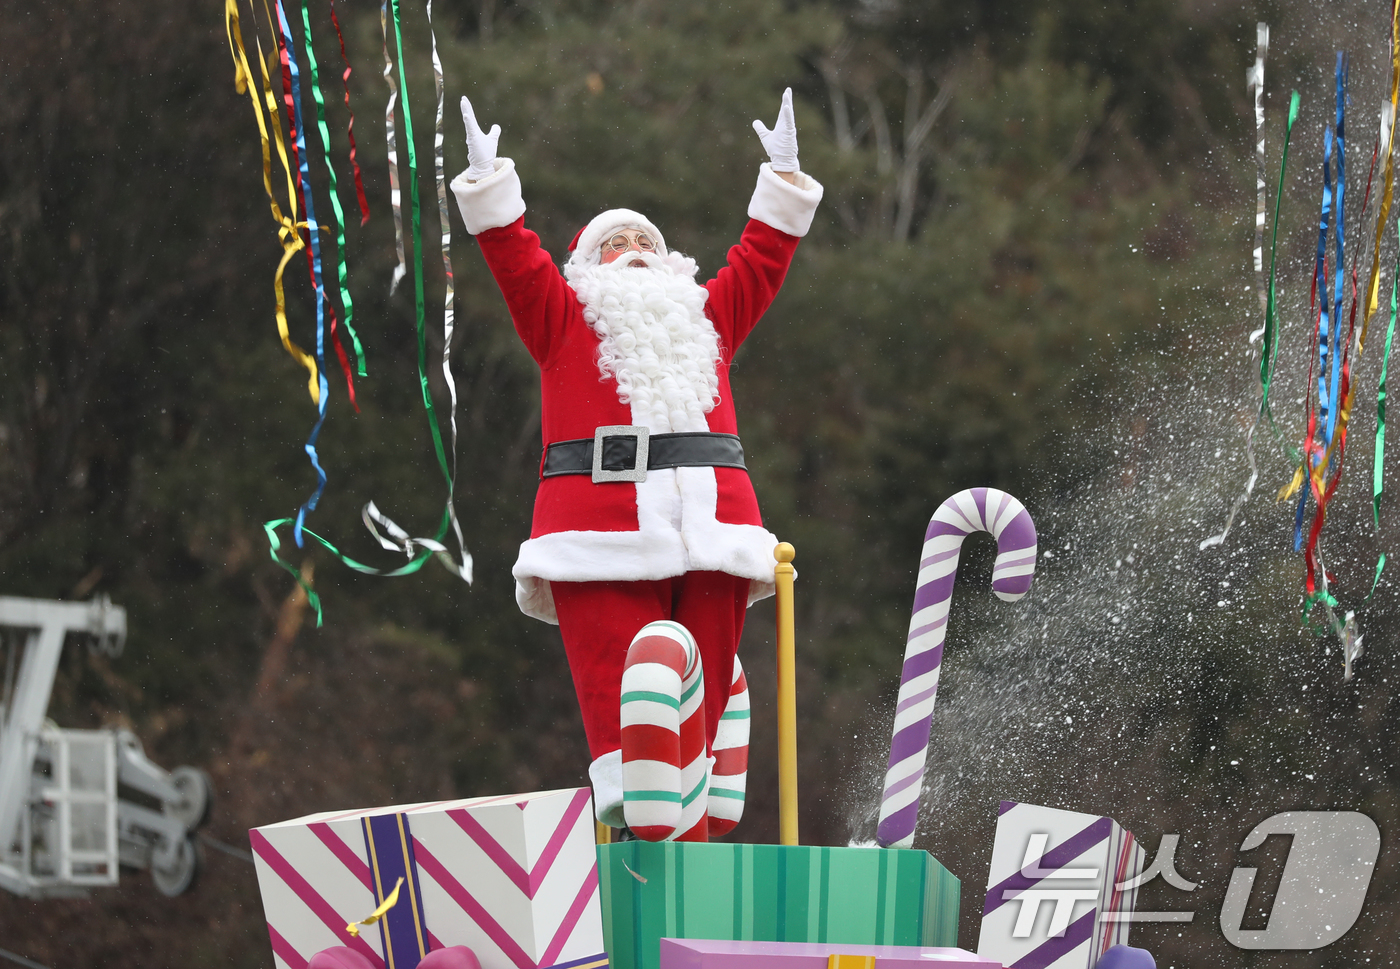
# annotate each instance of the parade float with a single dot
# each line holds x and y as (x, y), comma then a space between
(530, 880)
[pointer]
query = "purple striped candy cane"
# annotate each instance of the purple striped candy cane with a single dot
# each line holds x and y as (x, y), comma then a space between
(974, 510)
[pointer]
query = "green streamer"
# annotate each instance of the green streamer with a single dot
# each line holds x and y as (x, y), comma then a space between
(276, 545)
(1328, 623)
(418, 304)
(335, 196)
(1378, 467)
(1378, 463)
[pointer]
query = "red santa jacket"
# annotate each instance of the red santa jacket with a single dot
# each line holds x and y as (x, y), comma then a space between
(679, 519)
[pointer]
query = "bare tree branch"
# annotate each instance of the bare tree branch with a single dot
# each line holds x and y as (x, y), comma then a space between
(917, 127)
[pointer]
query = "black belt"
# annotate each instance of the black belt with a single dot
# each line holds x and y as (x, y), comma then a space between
(622, 452)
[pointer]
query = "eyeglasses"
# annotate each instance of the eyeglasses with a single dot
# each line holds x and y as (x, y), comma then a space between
(622, 242)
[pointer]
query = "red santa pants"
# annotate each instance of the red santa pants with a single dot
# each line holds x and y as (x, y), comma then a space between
(598, 620)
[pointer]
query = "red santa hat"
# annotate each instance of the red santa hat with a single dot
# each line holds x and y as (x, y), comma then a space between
(604, 226)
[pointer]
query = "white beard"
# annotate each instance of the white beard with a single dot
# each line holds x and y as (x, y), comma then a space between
(654, 339)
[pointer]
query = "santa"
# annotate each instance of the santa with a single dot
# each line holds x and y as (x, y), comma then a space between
(645, 511)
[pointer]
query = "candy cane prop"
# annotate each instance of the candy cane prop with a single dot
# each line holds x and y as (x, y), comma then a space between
(729, 776)
(975, 510)
(665, 770)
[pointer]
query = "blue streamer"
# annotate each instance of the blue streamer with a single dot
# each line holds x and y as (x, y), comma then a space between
(1324, 326)
(1339, 292)
(1298, 519)
(314, 232)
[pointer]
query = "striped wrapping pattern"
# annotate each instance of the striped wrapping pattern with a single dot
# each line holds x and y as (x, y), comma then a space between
(1044, 849)
(729, 775)
(512, 878)
(977, 509)
(665, 770)
(778, 893)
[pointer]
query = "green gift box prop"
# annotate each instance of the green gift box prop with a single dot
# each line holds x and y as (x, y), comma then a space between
(770, 893)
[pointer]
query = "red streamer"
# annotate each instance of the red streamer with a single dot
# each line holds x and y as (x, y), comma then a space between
(345, 78)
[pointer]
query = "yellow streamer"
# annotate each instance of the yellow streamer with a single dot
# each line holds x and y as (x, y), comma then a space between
(287, 232)
(354, 927)
(1373, 289)
(1291, 489)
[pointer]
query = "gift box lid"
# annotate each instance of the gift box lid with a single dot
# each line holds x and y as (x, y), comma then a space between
(325, 817)
(715, 954)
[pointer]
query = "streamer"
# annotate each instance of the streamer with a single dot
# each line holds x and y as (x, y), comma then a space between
(342, 270)
(1256, 83)
(287, 232)
(388, 534)
(350, 128)
(291, 84)
(390, 137)
(393, 537)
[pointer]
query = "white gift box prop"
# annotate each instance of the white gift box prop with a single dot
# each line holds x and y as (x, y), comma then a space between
(1052, 895)
(514, 878)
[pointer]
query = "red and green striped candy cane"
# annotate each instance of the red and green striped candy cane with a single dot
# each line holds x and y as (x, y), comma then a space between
(665, 768)
(729, 775)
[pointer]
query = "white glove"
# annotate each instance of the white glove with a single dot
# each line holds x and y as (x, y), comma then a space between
(781, 142)
(481, 145)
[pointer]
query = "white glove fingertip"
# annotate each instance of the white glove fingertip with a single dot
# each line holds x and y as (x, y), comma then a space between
(495, 132)
(761, 129)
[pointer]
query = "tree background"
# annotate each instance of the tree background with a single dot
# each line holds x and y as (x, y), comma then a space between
(1031, 270)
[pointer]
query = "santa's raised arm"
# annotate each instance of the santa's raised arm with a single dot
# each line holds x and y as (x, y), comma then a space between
(661, 525)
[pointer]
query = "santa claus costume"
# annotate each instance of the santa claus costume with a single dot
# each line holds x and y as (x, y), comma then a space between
(634, 360)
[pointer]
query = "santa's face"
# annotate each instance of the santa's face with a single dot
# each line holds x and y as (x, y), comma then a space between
(624, 242)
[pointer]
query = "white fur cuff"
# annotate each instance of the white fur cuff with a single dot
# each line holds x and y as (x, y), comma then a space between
(787, 208)
(491, 203)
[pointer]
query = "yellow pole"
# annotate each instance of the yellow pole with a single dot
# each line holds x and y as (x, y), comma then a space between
(603, 832)
(787, 698)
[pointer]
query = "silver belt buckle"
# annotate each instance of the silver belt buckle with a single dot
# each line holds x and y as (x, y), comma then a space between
(638, 471)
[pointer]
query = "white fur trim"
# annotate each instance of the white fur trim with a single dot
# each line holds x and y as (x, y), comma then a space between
(602, 227)
(654, 551)
(606, 775)
(493, 202)
(535, 599)
(588, 556)
(716, 546)
(787, 208)
(657, 550)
